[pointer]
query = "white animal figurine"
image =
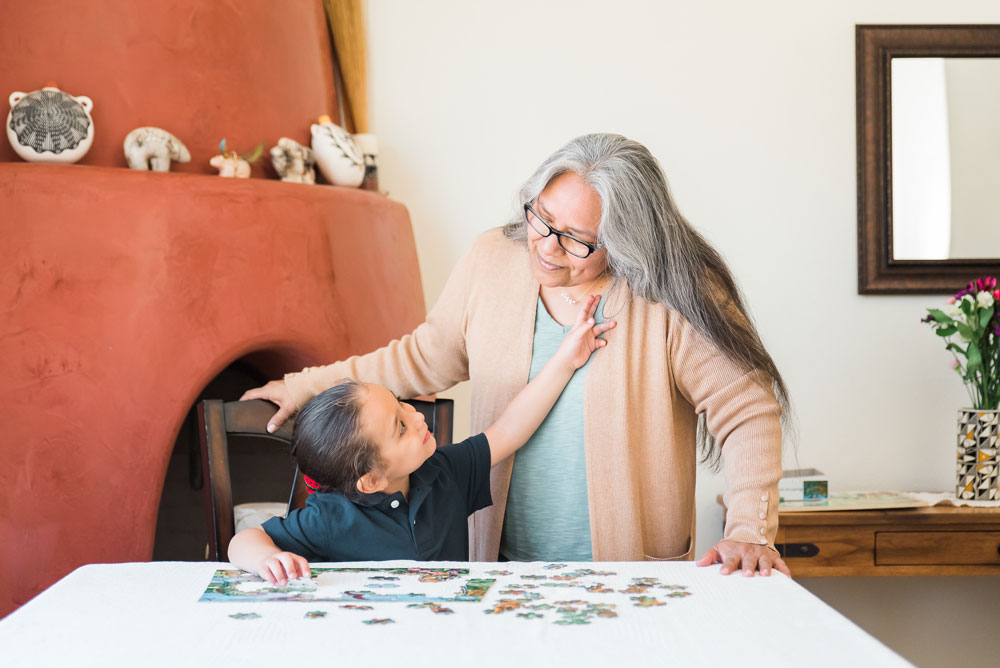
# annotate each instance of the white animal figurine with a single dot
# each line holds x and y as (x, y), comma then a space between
(293, 162)
(337, 156)
(152, 149)
(231, 166)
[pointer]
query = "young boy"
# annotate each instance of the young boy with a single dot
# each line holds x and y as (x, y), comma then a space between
(386, 491)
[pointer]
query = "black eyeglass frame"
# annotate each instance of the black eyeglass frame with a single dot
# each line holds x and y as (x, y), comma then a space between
(591, 248)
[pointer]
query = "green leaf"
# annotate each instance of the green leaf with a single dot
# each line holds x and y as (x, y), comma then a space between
(940, 316)
(964, 330)
(984, 317)
(975, 360)
(966, 305)
(946, 331)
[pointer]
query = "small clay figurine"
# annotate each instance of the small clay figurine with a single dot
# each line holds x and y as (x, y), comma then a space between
(339, 159)
(293, 162)
(233, 165)
(149, 148)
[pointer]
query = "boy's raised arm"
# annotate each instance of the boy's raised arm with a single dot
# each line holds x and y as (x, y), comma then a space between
(254, 551)
(527, 410)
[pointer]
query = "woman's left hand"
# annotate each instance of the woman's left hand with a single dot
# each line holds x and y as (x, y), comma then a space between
(746, 556)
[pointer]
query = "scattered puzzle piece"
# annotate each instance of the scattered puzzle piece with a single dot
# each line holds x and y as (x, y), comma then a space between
(315, 614)
(384, 620)
(433, 607)
(635, 589)
(553, 567)
(245, 615)
(646, 601)
(499, 573)
(383, 577)
(530, 615)
(351, 606)
(598, 588)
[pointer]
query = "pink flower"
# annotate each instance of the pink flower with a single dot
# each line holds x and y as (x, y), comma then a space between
(952, 300)
(954, 364)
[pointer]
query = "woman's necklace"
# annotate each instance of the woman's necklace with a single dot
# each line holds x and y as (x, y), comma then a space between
(571, 300)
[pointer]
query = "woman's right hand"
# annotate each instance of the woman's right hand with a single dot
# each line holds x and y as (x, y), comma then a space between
(277, 393)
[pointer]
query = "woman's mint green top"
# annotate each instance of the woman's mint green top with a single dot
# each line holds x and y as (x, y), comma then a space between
(547, 518)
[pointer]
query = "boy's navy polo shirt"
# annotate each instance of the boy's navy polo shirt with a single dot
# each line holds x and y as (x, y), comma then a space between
(452, 484)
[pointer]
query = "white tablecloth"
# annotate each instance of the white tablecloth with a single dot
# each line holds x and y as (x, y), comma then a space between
(148, 614)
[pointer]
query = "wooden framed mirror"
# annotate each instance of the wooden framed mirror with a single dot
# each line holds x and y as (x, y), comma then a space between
(928, 151)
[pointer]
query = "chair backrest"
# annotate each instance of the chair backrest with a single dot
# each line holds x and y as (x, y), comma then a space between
(218, 421)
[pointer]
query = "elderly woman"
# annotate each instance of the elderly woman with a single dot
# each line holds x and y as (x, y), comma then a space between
(610, 475)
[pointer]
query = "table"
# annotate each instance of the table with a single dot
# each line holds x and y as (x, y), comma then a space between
(149, 614)
(939, 540)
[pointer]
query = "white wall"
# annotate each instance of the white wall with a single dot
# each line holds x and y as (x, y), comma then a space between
(750, 108)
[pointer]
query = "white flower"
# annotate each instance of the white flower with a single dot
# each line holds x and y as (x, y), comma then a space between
(969, 298)
(984, 299)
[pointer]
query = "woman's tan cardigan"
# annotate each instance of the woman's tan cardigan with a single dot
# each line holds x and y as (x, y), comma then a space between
(642, 395)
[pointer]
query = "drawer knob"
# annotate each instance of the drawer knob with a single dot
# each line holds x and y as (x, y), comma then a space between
(801, 550)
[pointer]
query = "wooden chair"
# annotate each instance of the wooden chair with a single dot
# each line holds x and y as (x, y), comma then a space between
(218, 421)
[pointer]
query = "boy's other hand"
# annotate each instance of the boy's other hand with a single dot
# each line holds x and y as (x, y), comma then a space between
(281, 567)
(582, 340)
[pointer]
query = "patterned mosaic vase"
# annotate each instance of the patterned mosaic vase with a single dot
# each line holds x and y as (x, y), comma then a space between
(49, 125)
(976, 475)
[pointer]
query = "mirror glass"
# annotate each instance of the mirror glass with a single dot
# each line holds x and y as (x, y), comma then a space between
(945, 158)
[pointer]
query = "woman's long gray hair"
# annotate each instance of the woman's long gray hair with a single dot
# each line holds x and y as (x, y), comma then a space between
(656, 252)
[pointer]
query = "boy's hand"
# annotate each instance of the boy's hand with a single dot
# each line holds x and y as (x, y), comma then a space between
(281, 567)
(582, 340)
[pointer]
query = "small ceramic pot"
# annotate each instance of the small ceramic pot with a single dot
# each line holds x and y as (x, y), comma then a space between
(339, 159)
(49, 125)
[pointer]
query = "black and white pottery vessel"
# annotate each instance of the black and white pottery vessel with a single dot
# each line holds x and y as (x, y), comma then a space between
(49, 125)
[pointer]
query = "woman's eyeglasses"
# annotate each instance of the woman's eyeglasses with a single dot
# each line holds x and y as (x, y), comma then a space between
(570, 244)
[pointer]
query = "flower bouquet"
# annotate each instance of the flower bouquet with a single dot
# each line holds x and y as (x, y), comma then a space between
(971, 330)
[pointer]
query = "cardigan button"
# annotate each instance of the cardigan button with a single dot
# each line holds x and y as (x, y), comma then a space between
(763, 531)
(763, 516)
(763, 497)
(394, 504)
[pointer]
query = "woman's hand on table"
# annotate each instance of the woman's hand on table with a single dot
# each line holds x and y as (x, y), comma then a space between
(277, 393)
(747, 557)
(281, 567)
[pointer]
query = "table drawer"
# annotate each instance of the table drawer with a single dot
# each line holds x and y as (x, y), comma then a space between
(825, 546)
(903, 548)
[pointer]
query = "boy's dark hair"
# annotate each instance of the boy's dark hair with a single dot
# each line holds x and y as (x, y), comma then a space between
(328, 442)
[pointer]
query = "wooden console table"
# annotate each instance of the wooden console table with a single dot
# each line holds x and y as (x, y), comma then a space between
(938, 540)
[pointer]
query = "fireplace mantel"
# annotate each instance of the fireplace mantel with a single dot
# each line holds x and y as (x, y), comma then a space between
(123, 294)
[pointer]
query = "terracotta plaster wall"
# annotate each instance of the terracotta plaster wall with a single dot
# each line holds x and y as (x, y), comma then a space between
(123, 293)
(247, 70)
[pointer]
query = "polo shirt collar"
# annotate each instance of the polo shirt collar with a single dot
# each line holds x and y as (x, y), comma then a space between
(420, 480)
